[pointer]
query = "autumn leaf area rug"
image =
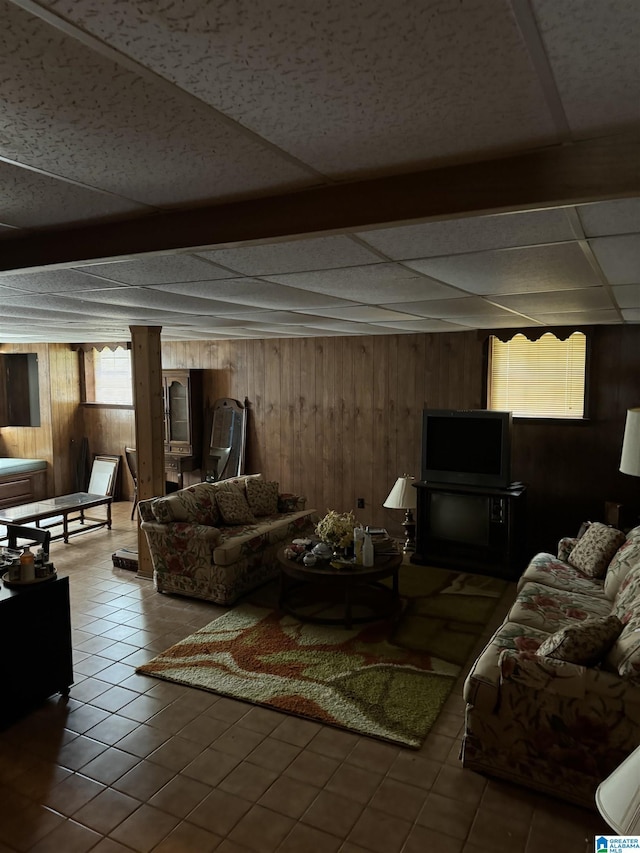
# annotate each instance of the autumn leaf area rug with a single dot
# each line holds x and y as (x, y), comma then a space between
(388, 679)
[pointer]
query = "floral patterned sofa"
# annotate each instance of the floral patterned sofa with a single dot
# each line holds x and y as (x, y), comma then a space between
(219, 540)
(553, 701)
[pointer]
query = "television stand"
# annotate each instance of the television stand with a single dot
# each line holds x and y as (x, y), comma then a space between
(471, 528)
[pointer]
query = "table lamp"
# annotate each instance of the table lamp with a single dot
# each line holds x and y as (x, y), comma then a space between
(630, 458)
(618, 796)
(403, 496)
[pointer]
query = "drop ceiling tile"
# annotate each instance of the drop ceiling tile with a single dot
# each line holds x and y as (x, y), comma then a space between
(53, 281)
(593, 54)
(444, 308)
(316, 253)
(269, 317)
(157, 269)
(580, 318)
(591, 298)
(340, 327)
(627, 295)
(497, 321)
(257, 294)
(364, 314)
(426, 325)
(471, 234)
(319, 78)
(142, 297)
(604, 218)
(619, 257)
(78, 114)
(376, 284)
(31, 200)
(529, 269)
(631, 315)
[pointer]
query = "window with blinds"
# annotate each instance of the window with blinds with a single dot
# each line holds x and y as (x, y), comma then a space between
(107, 376)
(538, 379)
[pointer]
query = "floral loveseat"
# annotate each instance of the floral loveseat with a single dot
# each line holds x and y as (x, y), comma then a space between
(553, 701)
(219, 540)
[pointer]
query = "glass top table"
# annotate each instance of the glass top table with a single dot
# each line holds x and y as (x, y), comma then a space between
(64, 506)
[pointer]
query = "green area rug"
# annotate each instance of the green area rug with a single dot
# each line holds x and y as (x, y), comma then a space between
(388, 679)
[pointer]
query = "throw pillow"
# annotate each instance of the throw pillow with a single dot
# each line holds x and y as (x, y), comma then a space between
(200, 504)
(233, 506)
(584, 643)
(595, 549)
(262, 496)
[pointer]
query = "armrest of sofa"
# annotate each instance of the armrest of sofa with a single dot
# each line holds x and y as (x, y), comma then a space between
(145, 511)
(288, 502)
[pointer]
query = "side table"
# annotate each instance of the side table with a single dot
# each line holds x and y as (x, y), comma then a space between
(35, 635)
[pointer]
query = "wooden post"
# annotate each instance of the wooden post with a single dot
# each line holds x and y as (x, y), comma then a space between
(149, 417)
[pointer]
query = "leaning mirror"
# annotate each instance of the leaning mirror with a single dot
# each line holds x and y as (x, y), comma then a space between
(224, 457)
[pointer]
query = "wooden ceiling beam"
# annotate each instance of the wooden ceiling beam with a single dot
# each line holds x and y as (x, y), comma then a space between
(573, 173)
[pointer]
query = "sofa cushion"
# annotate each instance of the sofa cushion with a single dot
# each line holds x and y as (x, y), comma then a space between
(233, 505)
(585, 643)
(596, 548)
(548, 609)
(262, 496)
(625, 558)
(551, 571)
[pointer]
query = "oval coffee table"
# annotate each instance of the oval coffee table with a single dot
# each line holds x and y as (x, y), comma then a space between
(351, 587)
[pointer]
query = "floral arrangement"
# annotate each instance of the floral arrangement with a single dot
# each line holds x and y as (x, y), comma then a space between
(337, 528)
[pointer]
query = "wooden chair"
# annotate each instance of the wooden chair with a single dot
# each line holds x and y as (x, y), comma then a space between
(132, 463)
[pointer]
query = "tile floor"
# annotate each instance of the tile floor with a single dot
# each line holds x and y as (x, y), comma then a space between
(133, 763)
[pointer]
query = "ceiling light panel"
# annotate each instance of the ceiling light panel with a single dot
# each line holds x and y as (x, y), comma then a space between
(104, 125)
(619, 257)
(471, 234)
(317, 253)
(532, 268)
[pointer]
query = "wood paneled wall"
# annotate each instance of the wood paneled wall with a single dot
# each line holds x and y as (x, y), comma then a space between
(338, 419)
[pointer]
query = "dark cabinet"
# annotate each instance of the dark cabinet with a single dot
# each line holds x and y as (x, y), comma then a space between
(470, 528)
(35, 634)
(183, 416)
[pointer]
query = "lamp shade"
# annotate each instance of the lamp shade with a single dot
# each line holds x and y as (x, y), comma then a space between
(402, 495)
(630, 459)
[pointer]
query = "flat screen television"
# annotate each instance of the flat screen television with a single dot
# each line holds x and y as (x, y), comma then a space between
(470, 447)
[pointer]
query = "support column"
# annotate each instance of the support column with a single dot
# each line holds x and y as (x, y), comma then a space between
(149, 417)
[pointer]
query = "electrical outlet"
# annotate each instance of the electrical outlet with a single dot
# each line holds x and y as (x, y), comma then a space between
(360, 503)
